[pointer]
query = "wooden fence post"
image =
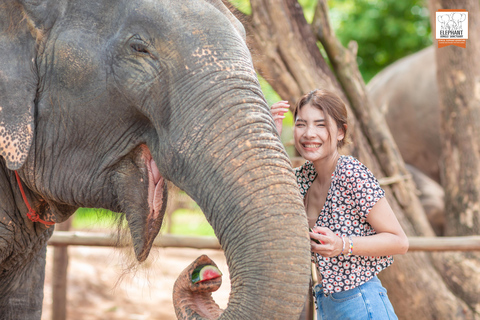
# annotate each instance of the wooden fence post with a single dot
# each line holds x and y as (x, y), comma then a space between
(59, 276)
(309, 307)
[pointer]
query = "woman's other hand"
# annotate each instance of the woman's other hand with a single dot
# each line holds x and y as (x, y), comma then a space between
(278, 111)
(330, 245)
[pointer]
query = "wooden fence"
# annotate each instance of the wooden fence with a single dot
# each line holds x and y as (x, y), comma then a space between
(62, 239)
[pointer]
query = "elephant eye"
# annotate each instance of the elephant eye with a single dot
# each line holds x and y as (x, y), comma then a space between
(139, 47)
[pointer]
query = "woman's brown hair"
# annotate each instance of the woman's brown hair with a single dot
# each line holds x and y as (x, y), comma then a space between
(330, 104)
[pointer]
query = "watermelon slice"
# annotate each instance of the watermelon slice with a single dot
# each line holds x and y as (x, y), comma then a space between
(314, 240)
(205, 273)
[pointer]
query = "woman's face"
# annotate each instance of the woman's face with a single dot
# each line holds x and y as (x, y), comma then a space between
(311, 135)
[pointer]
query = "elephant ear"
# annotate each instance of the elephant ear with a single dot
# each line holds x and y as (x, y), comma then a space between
(22, 29)
(41, 14)
(235, 22)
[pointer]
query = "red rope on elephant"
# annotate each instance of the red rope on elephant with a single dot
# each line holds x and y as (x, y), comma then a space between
(31, 214)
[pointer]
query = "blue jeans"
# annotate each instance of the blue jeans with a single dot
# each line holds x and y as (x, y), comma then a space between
(366, 302)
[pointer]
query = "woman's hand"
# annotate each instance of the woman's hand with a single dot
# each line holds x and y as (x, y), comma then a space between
(278, 110)
(330, 245)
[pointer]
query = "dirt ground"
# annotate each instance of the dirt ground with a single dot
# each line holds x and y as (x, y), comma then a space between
(99, 287)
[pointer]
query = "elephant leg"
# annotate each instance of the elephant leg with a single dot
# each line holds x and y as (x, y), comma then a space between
(25, 302)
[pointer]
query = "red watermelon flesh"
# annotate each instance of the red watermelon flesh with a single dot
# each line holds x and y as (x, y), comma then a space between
(205, 273)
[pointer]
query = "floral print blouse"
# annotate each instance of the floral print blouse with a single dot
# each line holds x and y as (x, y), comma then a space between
(352, 194)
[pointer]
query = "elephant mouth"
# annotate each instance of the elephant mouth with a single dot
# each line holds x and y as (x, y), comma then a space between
(144, 228)
(156, 184)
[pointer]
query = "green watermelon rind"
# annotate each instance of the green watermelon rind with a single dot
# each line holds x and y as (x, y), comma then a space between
(198, 272)
(314, 240)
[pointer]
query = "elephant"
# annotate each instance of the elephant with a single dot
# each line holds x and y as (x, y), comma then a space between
(407, 94)
(103, 102)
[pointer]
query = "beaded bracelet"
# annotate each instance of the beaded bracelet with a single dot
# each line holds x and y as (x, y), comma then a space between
(350, 241)
(343, 248)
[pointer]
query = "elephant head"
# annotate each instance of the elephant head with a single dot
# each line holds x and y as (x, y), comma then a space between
(102, 102)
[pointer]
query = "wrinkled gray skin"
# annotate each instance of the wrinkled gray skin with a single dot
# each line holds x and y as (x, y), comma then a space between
(407, 94)
(101, 102)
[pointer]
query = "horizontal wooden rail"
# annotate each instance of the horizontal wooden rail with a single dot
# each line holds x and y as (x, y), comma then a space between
(66, 238)
(469, 243)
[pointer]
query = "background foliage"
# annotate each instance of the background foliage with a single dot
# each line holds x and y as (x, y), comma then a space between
(385, 30)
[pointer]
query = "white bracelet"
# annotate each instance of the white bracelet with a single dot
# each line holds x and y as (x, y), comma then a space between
(343, 248)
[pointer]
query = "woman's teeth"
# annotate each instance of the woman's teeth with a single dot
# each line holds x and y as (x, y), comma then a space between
(311, 145)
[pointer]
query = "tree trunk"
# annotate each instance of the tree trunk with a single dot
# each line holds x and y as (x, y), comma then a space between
(284, 49)
(458, 78)
(286, 54)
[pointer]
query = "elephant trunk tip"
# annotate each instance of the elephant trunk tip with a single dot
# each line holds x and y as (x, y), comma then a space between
(192, 291)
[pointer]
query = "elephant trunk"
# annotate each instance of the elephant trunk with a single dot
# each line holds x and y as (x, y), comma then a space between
(243, 181)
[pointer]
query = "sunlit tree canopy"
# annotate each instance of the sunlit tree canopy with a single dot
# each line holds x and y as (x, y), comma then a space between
(385, 30)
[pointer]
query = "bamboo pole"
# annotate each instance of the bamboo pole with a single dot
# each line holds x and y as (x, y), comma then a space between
(63, 238)
(470, 243)
(79, 238)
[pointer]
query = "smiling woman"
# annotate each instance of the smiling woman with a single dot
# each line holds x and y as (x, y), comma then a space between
(354, 230)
